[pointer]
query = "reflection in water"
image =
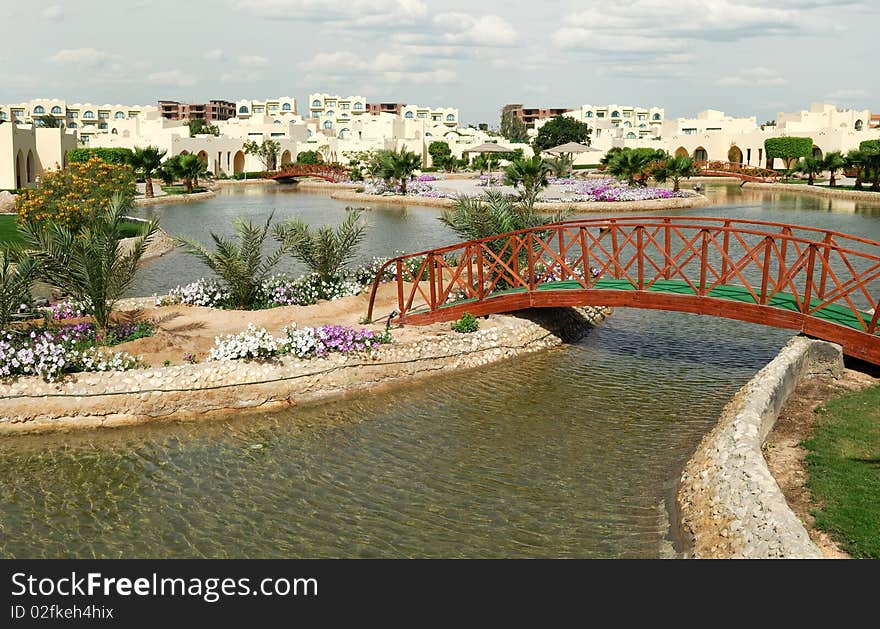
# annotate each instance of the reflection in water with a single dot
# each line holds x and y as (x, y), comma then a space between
(570, 453)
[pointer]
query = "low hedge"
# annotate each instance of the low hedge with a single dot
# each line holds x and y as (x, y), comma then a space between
(109, 155)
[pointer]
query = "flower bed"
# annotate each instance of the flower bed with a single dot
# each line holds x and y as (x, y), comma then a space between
(258, 344)
(613, 190)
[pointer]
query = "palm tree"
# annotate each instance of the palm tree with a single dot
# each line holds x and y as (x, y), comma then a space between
(492, 214)
(810, 166)
(630, 164)
(481, 163)
(240, 264)
(531, 173)
(324, 251)
(833, 162)
(675, 169)
(857, 160)
(561, 165)
(15, 283)
(190, 168)
(89, 263)
(399, 166)
(146, 161)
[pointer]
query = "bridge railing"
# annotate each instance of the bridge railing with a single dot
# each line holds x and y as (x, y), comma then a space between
(735, 169)
(815, 268)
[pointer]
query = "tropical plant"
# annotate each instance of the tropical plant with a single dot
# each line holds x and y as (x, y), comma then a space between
(481, 163)
(49, 122)
(633, 164)
(531, 173)
(239, 263)
(439, 152)
(71, 195)
(561, 130)
(146, 161)
(832, 162)
(609, 155)
(857, 161)
(871, 150)
(17, 274)
(200, 126)
(90, 263)
(466, 325)
(560, 165)
(674, 169)
(267, 152)
(186, 167)
(398, 166)
(109, 155)
(810, 166)
(493, 213)
(307, 157)
(513, 128)
(324, 250)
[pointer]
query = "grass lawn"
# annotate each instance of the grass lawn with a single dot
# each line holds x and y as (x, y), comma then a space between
(844, 471)
(180, 189)
(9, 230)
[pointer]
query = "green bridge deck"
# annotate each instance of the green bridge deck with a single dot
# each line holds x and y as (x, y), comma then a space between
(833, 313)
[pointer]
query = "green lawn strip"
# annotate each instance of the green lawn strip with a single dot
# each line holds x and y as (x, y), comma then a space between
(843, 468)
(180, 190)
(9, 230)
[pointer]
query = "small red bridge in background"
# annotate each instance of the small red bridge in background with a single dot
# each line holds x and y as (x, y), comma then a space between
(333, 173)
(740, 171)
(823, 283)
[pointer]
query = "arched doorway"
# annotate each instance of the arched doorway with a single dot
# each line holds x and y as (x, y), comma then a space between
(735, 155)
(184, 152)
(817, 152)
(238, 162)
(19, 171)
(319, 157)
(30, 167)
(859, 125)
(681, 152)
(700, 154)
(285, 158)
(203, 157)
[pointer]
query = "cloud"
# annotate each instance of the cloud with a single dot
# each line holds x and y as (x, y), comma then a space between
(253, 60)
(847, 95)
(368, 12)
(486, 30)
(171, 78)
(52, 12)
(753, 76)
(215, 54)
(388, 66)
(80, 57)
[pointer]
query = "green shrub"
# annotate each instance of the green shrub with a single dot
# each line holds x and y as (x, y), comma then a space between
(788, 149)
(467, 324)
(109, 155)
(251, 174)
(871, 147)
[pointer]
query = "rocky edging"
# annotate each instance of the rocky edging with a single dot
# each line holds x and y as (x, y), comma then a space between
(691, 201)
(88, 400)
(730, 506)
(175, 198)
(853, 195)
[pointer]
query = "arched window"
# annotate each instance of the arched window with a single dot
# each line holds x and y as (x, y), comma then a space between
(655, 117)
(615, 114)
(243, 109)
(39, 109)
(343, 133)
(358, 105)
(589, 114)
(120, 115)
(858, 125)
(429, 135)
(103, 125)
(113, 131)
(310, 134)
(627, 124)
(409, 115)
(450, 117)
(328, 124)
(56, 110)
(71, 125)
(89, 114)
(285, 107)
(630, 136)
(277, 122)
(329, 113)
(3, 115)
(642, 126)
(316, 103)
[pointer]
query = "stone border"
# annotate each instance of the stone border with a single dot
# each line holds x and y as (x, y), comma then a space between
(729, 503)
(691, 201)
(89, 400)
(175, 198)
(852, 195)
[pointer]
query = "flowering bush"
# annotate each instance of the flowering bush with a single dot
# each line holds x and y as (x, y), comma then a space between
(306, 342)
(208, 293)
(306, 290)
(70, 309)
(251, 343)
(614, 190)
(48, 355)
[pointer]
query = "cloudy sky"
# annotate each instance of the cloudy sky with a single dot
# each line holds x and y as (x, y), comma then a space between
(746, 57)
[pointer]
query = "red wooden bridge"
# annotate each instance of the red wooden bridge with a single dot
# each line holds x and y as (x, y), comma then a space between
(333, 173)
(740, 171)
(823, 283)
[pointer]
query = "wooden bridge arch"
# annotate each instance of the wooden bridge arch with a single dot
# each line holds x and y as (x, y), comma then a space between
(329, 172)
(712, 168)
(823, 283)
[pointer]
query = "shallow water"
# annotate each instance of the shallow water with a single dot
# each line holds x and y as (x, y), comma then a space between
(574, 452)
